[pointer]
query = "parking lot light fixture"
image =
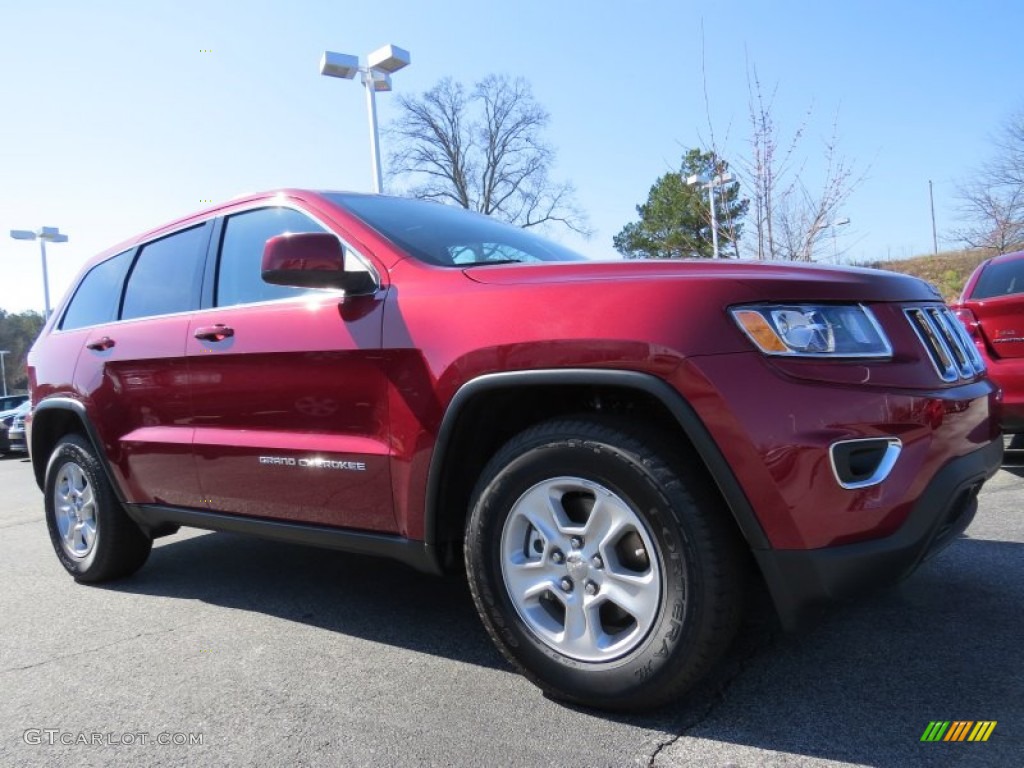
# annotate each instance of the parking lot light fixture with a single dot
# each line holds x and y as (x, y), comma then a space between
(375, 76)
(835, 246)
(709, 184)
(43, 235)
(3, 368)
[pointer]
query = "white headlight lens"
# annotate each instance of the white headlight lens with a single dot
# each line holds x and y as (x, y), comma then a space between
(813, 330)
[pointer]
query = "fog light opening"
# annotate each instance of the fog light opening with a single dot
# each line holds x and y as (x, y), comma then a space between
(864, 462)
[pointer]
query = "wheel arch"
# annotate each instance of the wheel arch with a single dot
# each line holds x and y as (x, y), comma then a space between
(443, 519)
(55, 417)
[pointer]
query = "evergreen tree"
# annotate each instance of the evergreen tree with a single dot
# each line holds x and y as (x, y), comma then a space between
(675, 222)
(17, 333)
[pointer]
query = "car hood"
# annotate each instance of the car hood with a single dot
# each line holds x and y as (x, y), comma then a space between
(769, 280)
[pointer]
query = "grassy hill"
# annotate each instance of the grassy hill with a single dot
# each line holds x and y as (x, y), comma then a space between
(947, 271)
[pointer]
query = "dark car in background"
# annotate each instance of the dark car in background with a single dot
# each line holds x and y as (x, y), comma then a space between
(15, 426)
(12, 406)
(10, 402)
(992, 309)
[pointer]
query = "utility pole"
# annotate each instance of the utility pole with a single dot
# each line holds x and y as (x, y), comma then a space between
(931, 199)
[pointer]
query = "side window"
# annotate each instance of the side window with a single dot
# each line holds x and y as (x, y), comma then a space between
(166, 275)
(95, 300)
(241, 254)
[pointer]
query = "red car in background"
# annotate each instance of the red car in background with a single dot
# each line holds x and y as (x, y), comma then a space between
(992, 309)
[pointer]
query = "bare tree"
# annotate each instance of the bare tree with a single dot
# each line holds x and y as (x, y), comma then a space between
(1007, 169)
(993, 215)
(482, 149)
(791, 216)
(992, 203)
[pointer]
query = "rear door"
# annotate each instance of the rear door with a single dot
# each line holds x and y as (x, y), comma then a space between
(288, 389)
(997, 301)
(134, 371)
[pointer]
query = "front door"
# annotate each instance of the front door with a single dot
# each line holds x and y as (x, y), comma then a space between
(288, 391)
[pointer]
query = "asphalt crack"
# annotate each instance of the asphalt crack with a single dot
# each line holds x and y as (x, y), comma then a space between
(759, 642)
(56, 659)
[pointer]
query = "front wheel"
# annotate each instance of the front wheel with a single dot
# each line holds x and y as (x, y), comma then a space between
(600, 573)
(93, 537)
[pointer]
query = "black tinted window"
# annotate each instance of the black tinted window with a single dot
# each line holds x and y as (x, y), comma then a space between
(12, 402)
(165, 278)
(238, 278)
(449, 236)
(95, 300)
(1001, 278)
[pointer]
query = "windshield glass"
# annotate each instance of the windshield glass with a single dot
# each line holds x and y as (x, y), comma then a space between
(447, 236)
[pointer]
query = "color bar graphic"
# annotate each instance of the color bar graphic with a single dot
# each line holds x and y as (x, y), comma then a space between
(959, 730)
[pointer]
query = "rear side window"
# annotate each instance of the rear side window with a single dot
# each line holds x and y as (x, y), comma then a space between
(1003, 278)
(95, 301)
(166, 275)
(239, 279)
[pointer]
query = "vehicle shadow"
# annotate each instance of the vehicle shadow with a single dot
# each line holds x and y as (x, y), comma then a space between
(365, 597)
(378, 600)
(860, 686)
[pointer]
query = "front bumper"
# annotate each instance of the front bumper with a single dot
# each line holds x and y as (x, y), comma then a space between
(17, 442)
(802, 582)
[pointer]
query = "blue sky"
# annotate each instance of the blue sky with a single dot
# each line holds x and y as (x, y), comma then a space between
(113, 121)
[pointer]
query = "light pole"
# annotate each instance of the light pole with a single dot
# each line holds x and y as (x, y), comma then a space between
(43, 234)
(835, 246)
(376, 76)
(709, 185)
(3, 368)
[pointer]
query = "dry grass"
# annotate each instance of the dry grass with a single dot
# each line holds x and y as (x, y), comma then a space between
(947, 271)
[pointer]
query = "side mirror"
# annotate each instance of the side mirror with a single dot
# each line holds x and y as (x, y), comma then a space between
(311, 260)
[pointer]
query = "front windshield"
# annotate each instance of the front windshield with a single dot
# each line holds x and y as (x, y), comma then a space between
(447, 236)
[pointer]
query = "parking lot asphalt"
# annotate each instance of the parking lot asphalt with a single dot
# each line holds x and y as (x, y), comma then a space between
(278, 655)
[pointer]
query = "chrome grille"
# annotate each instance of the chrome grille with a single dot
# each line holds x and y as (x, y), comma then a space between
(949, 346)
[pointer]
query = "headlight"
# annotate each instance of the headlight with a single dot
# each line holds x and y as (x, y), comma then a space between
(813, 330)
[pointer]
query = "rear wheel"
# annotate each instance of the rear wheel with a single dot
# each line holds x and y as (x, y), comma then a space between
(603, 574)
(91, 534)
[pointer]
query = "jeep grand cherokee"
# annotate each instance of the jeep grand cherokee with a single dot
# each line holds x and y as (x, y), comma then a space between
(610, 449)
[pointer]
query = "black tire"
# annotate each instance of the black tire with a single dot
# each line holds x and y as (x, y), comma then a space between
(697, 554)
(117, 547)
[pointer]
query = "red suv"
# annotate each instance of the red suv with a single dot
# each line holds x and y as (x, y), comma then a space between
(992, 309)
(613, 450)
